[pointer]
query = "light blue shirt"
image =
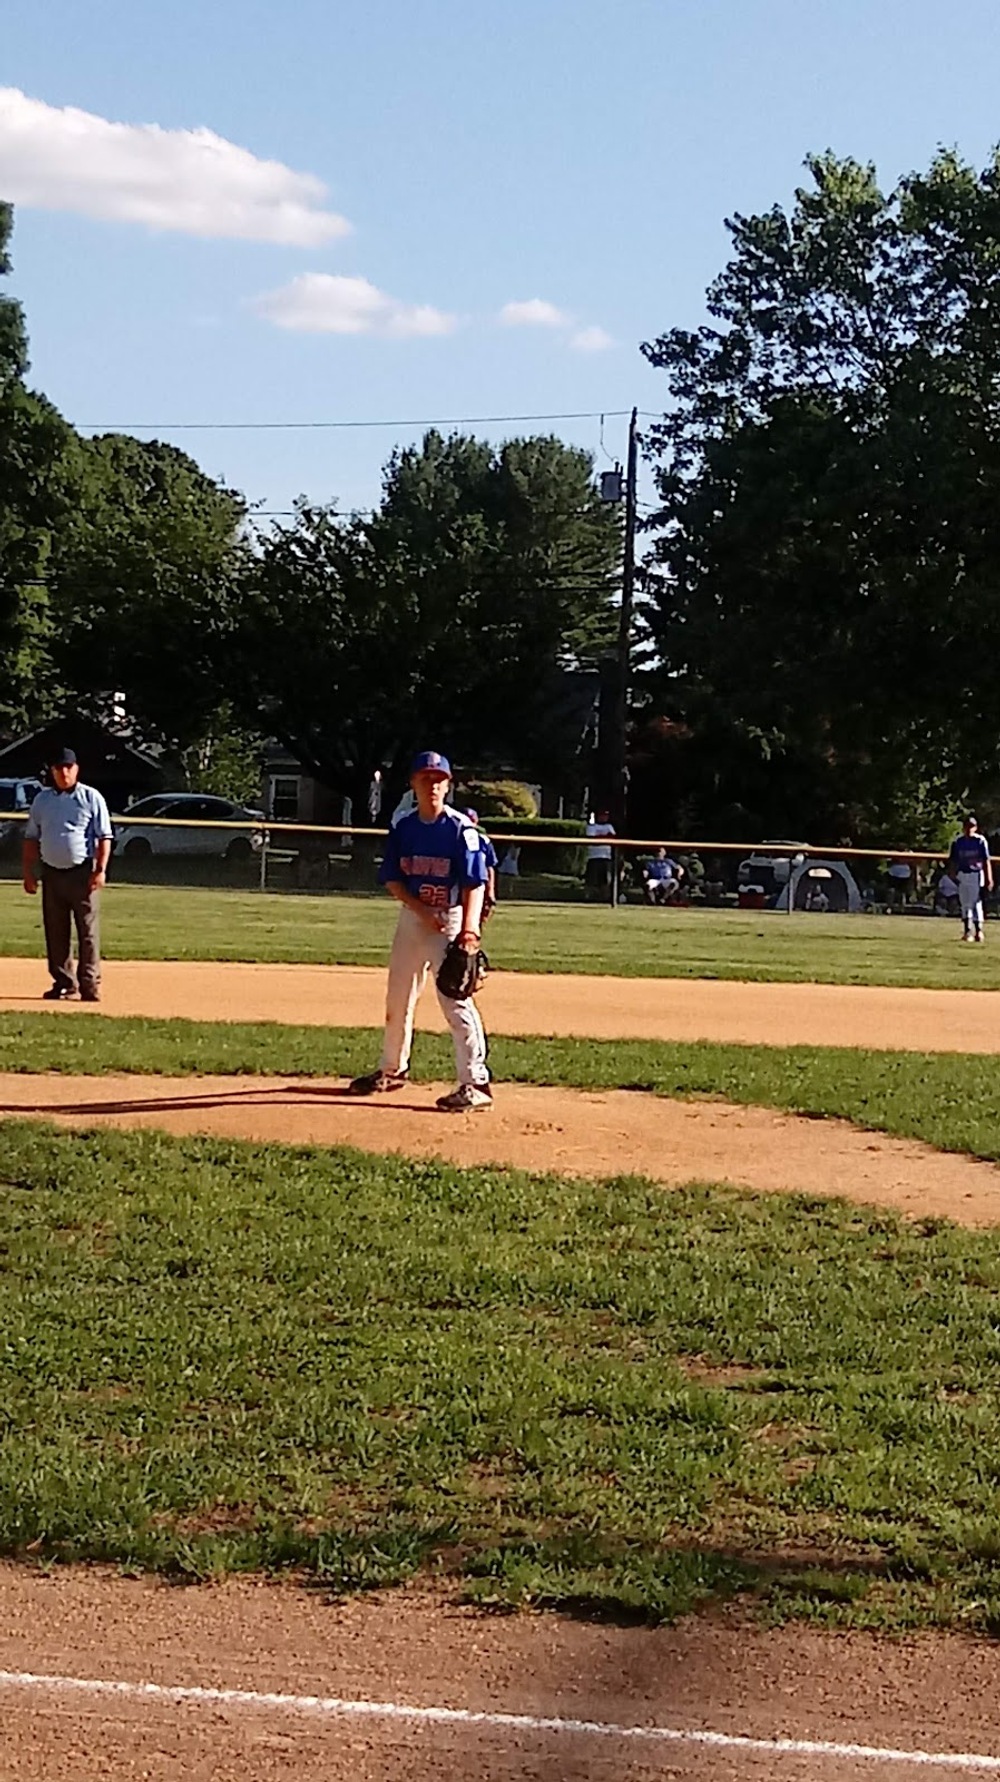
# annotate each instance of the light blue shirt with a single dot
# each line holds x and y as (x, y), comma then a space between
(68, 825)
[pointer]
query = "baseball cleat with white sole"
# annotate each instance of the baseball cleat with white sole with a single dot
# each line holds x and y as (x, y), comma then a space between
(378, 1082)
(468, 1098)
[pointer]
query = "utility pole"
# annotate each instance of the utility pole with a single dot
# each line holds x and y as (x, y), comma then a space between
(625, 626)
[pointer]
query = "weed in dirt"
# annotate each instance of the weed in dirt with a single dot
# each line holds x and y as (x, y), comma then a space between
(177, 922)
(947, 1099)
(216, 1355)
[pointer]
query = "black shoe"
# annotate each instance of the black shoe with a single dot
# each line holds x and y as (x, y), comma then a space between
(58, 993)
(379, 1082)
(90, 996)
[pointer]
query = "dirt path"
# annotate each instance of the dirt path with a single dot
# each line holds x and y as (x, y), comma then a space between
(419, 1650)
(516, 1002)
(606, 1133)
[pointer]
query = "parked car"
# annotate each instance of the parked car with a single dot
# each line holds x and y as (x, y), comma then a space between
(138, 838)
(15, 795)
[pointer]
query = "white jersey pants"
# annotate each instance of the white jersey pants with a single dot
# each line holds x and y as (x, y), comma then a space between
(970, 900)
(416, 950)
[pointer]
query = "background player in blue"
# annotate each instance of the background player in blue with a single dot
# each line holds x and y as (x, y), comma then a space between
(490, 899)
(435, 866)
(970, 865)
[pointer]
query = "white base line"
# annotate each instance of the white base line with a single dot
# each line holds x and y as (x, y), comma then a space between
(332, 1706)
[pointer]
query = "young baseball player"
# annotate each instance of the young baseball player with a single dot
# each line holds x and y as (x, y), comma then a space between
(969, 863)
(490, 899)
(435, 867)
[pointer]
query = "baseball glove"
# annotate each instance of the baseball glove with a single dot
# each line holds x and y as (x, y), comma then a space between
(461, 974)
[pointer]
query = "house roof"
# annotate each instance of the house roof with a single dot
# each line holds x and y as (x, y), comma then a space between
(89, 733)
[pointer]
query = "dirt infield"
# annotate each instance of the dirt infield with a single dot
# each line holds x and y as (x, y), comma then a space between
(420, 1650)
(519, 1003)
(567, 1131)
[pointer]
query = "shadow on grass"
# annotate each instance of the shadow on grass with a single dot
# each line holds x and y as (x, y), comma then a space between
(578, 1575)
(285, 1095)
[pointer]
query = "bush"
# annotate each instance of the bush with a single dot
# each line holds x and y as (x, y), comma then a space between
(499, 798)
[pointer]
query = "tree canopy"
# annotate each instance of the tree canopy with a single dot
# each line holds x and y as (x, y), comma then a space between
(35, 496)
(144, 574)
(827, 586)
(445, 615)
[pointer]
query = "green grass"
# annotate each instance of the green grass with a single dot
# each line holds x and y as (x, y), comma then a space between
(598, 1395)
(157, 922)
(948, 1099)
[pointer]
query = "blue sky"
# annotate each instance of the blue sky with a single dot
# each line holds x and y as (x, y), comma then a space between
(581, 153)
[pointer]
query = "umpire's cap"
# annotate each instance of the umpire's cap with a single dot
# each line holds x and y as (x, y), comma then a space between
(57, 757)
(429, 761)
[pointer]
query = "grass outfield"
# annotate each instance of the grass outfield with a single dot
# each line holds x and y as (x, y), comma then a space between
(217, 1355)
(947, 1099)
(157, 922)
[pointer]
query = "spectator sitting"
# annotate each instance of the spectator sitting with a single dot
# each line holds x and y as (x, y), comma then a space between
(900, 877)
(694, 872)
(715, 882)
(662, 878)
(946, 895)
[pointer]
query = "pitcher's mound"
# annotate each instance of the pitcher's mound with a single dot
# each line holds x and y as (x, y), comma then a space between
(566, 1131)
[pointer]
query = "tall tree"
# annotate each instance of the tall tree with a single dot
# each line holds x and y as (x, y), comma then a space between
(144, 576)
(445, 616)
(829, 541)
(36, 481)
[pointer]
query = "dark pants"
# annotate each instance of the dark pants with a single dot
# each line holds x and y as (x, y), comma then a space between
(65, 896)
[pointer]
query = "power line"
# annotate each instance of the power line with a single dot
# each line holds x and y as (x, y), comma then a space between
(594, 414)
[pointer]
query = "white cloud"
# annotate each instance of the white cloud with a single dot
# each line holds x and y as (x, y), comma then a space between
(320, 303)
(592, 340)
(534, 313)
(187, 180)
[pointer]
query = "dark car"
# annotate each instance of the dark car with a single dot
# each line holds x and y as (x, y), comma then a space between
(15, 799)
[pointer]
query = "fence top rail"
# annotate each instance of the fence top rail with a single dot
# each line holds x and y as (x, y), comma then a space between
(772, 850)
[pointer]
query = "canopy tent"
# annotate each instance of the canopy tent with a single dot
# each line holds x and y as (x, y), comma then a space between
(831, 877)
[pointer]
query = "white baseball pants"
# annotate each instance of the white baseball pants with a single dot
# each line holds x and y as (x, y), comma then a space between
(970, 901)
(416, 950)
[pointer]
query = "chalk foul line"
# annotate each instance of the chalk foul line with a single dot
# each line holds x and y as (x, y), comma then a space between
(331, 1706)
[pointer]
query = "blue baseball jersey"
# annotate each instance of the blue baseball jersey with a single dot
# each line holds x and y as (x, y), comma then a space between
(435, 861)
(970, 853)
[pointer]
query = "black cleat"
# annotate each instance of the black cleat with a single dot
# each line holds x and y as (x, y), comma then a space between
(379, 1082)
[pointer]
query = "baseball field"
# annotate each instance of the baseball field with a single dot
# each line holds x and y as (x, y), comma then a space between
(701, 1320)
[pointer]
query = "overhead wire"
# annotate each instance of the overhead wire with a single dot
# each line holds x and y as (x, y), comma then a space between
(593, 414)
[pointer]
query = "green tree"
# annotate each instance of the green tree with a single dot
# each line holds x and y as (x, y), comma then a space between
(36, 487)
(442, 618)
(145, 575)
(828, 551)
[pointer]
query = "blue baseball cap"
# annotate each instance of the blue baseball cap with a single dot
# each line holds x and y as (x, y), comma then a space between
(59, 757)
(431, 762)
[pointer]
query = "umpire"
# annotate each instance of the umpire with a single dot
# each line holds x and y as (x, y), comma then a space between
(68, 836)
